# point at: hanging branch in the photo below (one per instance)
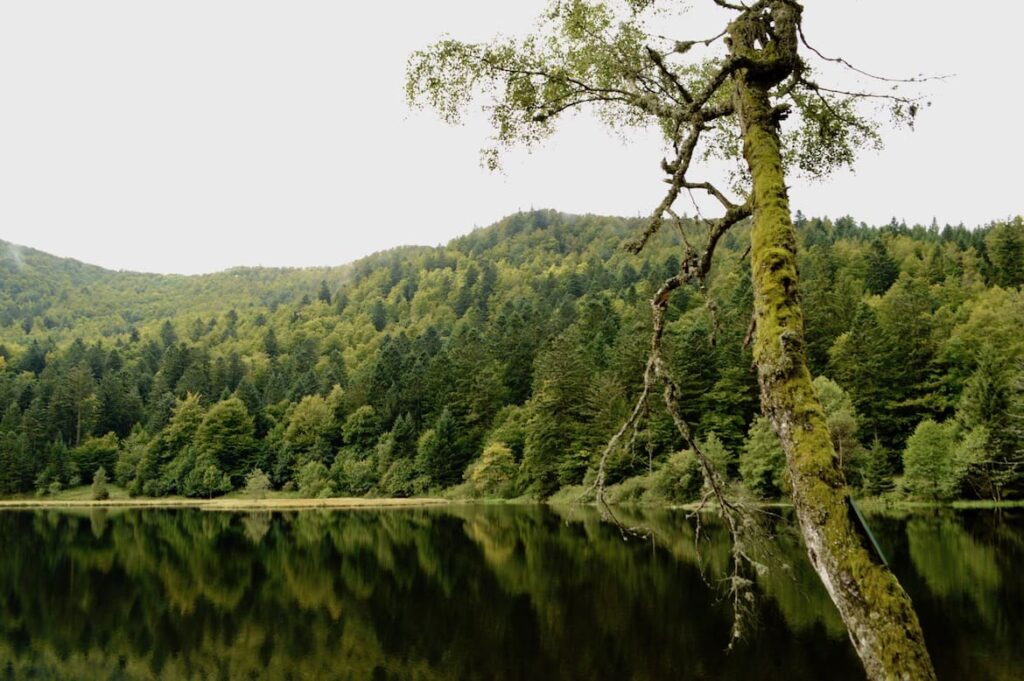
(848, 65)
(694, 268)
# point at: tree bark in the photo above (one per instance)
(876, 610)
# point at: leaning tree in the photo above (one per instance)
(747, 94)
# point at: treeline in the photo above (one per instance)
(504, 361)
(56, 300)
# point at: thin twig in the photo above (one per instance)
(843, 62)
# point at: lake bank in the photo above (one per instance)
(224, 504)
(80, 497)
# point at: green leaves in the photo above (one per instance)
(583, 55)
(827, 133)
(928, 470)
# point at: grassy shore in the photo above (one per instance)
(81, 497)
(876, 504)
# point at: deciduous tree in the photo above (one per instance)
(604, 55)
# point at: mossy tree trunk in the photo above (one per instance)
(876, 610)
(591, 60)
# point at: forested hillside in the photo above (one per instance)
(504, 361)
(57, 299)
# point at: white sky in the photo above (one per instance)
(195, 135)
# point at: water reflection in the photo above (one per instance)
(465, 593)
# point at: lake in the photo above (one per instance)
(474, 592)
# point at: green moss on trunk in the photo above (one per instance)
(877, 611)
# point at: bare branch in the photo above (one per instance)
(638, 409)
(852, 121)
(811, 85)
(718, 229)
(843, 62)
(678, 171)
(712, 190)
(543, 114)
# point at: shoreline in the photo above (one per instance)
(222, 504)
(349, 503)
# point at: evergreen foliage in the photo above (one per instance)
(506, 359)
(877, 473)
(763, 463)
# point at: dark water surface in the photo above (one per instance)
(468, 593)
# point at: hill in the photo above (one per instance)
(506, 359)
(47, 298)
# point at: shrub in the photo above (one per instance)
(257, 484)
(314, 480)
(99, 485)
(206, 478)
(678, 480)
(402, 480)
(629, 491)
(353, 476)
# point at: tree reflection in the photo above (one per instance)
(455, 593)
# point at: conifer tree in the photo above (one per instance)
(324, 296)
(882, 269)
(877, 472)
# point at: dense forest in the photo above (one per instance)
(500, 364)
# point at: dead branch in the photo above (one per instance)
(843, 62)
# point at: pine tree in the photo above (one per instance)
(168, 337)
(1005, 245)
(270, 344)
(437, 452)
(877, 472)
(882, 269)
(988, 403)
(325, 294)
(763, 462)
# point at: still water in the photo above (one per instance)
(469, 593)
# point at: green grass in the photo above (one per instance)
(80, 493)
(983, 503)
(84, 493)
(567, 495)
(877, 504)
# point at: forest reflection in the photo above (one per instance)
(493, 592)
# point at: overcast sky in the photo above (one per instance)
(195, 135)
